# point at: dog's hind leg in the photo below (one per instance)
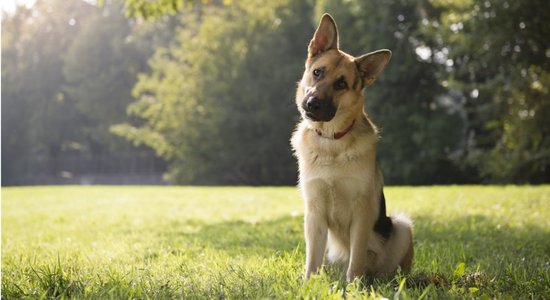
(406, 262)
(398, 249)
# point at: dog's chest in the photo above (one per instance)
(335, 163)
(336, 177)
(337, 186)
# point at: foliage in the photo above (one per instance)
(183, 242)
(464, 99)
(34, 113)
(156, 8)
(499, 52)
(100, 67)
(219, 102)
(418, 131)
(153, 9)
(67, 73)
(433, 129)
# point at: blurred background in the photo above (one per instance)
(202, 92)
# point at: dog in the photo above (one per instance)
(340, 181)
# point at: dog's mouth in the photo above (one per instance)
(311, 116)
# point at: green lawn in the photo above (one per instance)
(213, 242)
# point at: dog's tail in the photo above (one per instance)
(398, 249)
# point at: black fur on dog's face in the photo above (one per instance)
(333, 80)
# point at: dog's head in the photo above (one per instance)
(333, 80)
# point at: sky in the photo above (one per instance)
(9, 5)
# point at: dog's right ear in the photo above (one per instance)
(325, 38)
(372, 64)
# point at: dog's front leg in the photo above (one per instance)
(359, 237)
(316, 240)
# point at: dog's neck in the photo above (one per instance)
(336, 135)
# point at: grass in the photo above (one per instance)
(238, 243)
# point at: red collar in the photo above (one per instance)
(338, 135)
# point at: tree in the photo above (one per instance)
(420, 131)
(219, 102)
(68, 70)
(34, 113)
(155, 9)
(501, 67)
(464, 99)
(100, 69)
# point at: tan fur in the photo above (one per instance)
(339, 178)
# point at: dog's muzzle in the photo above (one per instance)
(318, 110)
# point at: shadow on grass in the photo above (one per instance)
(469, 238)
(513, 261)
(491, 253)
(476, 252)
(479, 237)
(494, 255)
(240, 237)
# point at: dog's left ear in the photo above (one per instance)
(325, 37)
(372, 64)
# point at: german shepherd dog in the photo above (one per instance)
(335, 143)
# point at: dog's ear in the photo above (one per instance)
(372, 64)
(325, 38)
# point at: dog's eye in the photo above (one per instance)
(317, 73)
(340, 84)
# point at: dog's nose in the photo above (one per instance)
(313, 104)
